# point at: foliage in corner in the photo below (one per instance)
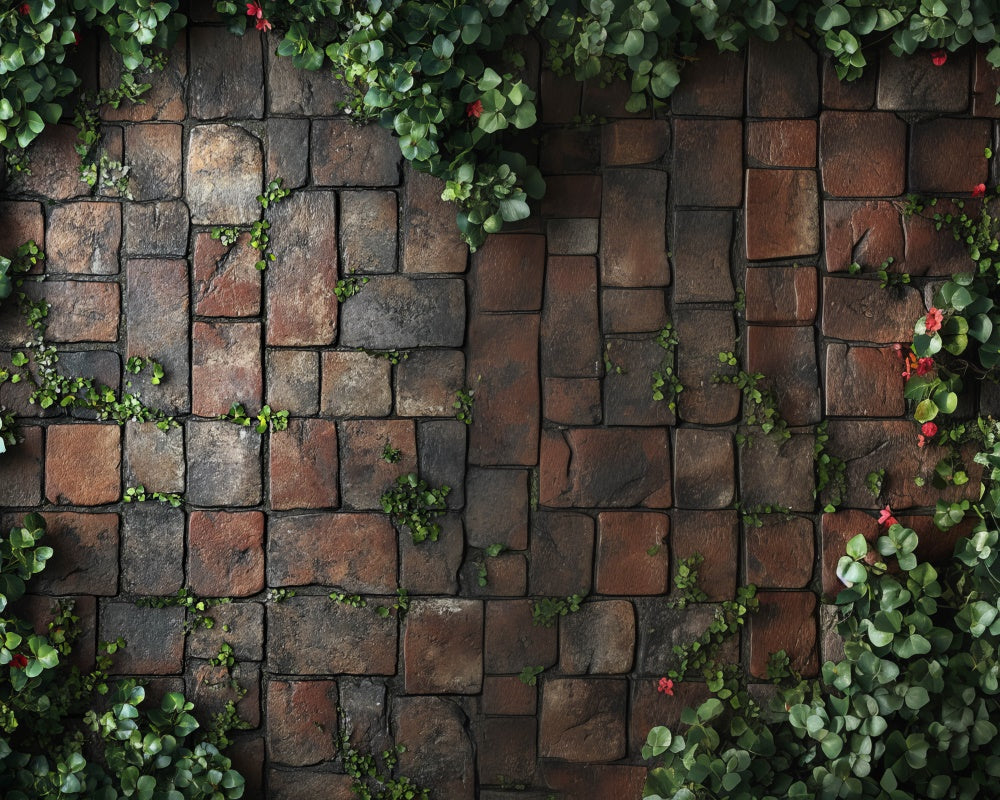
(414, 504)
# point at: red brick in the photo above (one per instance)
(226, 553)
(293, 381)
(708, 163)
(81, 312)
(154, 638)
(53, 166)
(985, 84)
(226, 283)
(506, 750)
(837, 530)
(712, 85)
(23, 221)
(302, 785)
(634, 310)
(153, 153)
(781, 295)
(863, 382)
(570, 327)
(633, 246)
(345, 155)
(507, 273)
(599, 639)
(572, 401)
(506, 576)
(303, 465)
(301, 721)
(778, 473)
(562, 553)
(444, 759)
(594, 781)
(574, 196)
(512, 642)
(868, 233)
(860, 310)
(785, 621)
(862, 154)
(426, 570)
(560, 97)
(355, 384)
(629, 142)
(781, 79)
(443, 647)
(83, 464)
(627, 386)
(713, 535)
(702, 242)
(508, 695)
(779, 554)
(591, 468)
(928, 251)
(570, 150)
(782, 213)
(858, 94)
(624, 563)
(431, 242)
(21, 470)
(702, 335)
(916, 83)
(947, 155)
(782, 143)
(215, 150)
(83, 238)
(787, 359)
(583, 719)
(226, 367)
(365, 475)
(85, 558)
(704, 468)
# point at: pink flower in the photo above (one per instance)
(929, 429)
(938, 57)
(933, 320)
(254, 10)
(19, 661)
(921, 441)
(897, 348)
(474, 110)
(886, 517)
(924, 365)
(263, 25)
(979, 190)
(666, 686)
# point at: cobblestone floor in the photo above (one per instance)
(735, 217)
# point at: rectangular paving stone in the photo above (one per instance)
(446, 760)
(782, 213)
(784, 621)
(300, 716)
(633, 240)
(226, 367)
(443, 647)
(562, 553)
(569, 150)
(226, 74)
(780, 553)
(21, 470)
(918, 84)
(583, 719)
(226, 281)
(859, 310)
(572, 237)
(398, 312)
(425, 570)
(286, 151)
(368, 231)
(572, 196)
(633, 310)
(223, 464)
(868, 233)
(80, 312)
(624, 563)
(702, 335)
(702, 244)
(83, 238)
(782, 143)
(506, 751)
(781, 295)
(713, 85)
(155, 638)
(786, 356)
(848, 95)
(497, 508)
(301, 92)
(560, 97)
(293, 381)
(634, 141)
(157, 229)
(343, 154)
(704, 468)
(303, 465)
(863, 382)
(365, 475)
(782, 79)
(572, 401)
(570, 326)
(355, 384)
(153, 154)
(427, 383)
(628, 394)
(708, 162)
(441, 444)
(152, 538)
(23, 221)
(50, 153)
(431, 241)
(508, 273)
(947, 155)
(225, 172)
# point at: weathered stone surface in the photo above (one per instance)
(83, 238)
(784, 621)
(780, 553)
(355, 384)
(624, 563)
(708, 163)
(442, 445)
(662, 626)
(778, 473)
(355, 552)
(443, 647)
(365, 475)
(713, 85)
(226, 367)
(702, 335)
(79, 311)
(513, 641)
(343, 154)
(508, 696)
(156, 229)
(572, 196)
(598, 639)
(836, 531)
(368, 225)
(781, 295)
(504, 350)
(23, 221)
(868, 233)
(312, 636)
(594, 781)
(917, 84)
(155, 638)
(363, 713)
(634, 310)
(713, 535)
(782, 216)
(849, 95)
(782, 79)
(862, 155)
(508, 272)
(947, 155)
(582, 719)
(223, 464)
(628, 142)
(927, 252)
(153, 154)
(572, 237)
(570, 327)
(627, 394)
(285, 784)
(293, 380)
(303, 465)
(287, 151)
(506, 750)
(427, 383)
(225, 170)
(165, 99)
(572, 401)
(21, 470)
(562, 553)
(863, 382)
(431, 242)
(782, 143)
(226, 554)
(85, 554)
(301, 721)
(301, 303)
(70, 446)
(152, 536)
(396, 311)
(787, 359)
(310, 93)
(506, 576)
(633, 251)
(497, 508)
(225, 280)
(53, 166)
(861, 310)
(226, 74)
(620, 467)
(445, 758)
(701, 245)
(704, 468)
(211, 687)
(425, 570)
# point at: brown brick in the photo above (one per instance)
(508, 695)
(569, 150)
(431, 241)
(157, 229)
(624, 563)
(69, 447)
(702, 335)
(782, 79)
(560, 97)
(226, 282)
(633, 310)
(781, 295)
(594, 781)
(152, 536)
(627, 386)
(915, 83)
(154, 638)
(704, 468)
(426, 570)
(780, 553)
(713, 534)
(927, 251)
(620, 467)
(85, 558)
(53, 166)
(702, 243)
(782, 215)
(506, 576)
(562, 553)
(23, 221)
(223, 464)
(303, 465)
(583, 719)
(662, 626)
(293, 381)
(785, 621)
(947, 155)
(355, 384)
(513, 642)
(226, 367)
(629, 142)
(507, 273)
(572, 196)
(497, 508)
(782, 143)
(863, 232)
(368, 226)
(935, 545)
(212, 687)
(572, 237)
(226, 74)
(309, 93)
(506, 750)
(787, 359)
(226, 553)
(572, 401)
(286, 153)
(164, 100)
(216, 150)
(599, 639)
(778, 473)
(708, 163)
(858, 94)
(81, 312)
(83, 238)
(427, 383)
(365, 475)
(301, 721)
(445, 757)
(400, 312)
(239, 624)
(863, 382)
(21, 470)
(570, 327)
(712, 85)
(862, 311)
(443, 647)
(863, 154)
(633, 246)
(836, 531)
(153, 153)
(345, 155)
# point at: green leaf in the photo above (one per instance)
(857, 547)
(490, 80)
(832, 17)
(635, 40)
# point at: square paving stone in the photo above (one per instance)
(628, 394)
(853, 95)
(443, 647)
(778, 473)
(427, 382)
(155, 638)
(69, 446)
(506, 750)
(708, 163)
(713, 85)
(704, 468)
(50, 153)
(303, 465)
(781, 295)
(713, 535)
(863, 382)
(301, 721)
(293, 380)
(562, 553)
(599, 639)
(156, 229)
(226, 74)
(433, 570)
(862, 154)
(507, 273)
(780, 553)
(583, 719)
(226, 553)
(355, 384)
(83, 238)
(513, 641)
(223, 464)
(863, 232)
(782, 213)
(431, 241)
(632, 553)
(784, 621)
(365, 475)
(947, 155)
(85, 558)
(634, 141)
(301, 92)
(368, 225)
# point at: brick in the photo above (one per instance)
(570, 326)
(856, 95)
(629, 142)
(782, 143)
(39, 612)
(21, 470)
(572, 237)
(599, 639)
(303, 465)
(355, 552)
(607, 100)
(702, 335)
(947, 155)
(863, 154)
(863, 382)
(239, 624)
(704, 468)
(345, 155)
(781, 295)
(782, 79)
(302, 92)
(157, 327)
(507, 273)
(225, 280)
(787, 359)
(211, 687)
(914, 83)
(364, 473)
(624, 563)
(627, 394)
(301, 721)
(560, 97)
(859, 310)
(286, 153)
(506, 750)
(293, 381)
(368, 225)
(702, 243)
(314, 636)
(506, 576)
(504, 350)
(935, 545)
(837, 529)
(572, 401)
(426, 570)
(83, 238)
(301, 303)
(633, 251)
(443, 647)
(23, 221)
(442, 445)
(778, 473)
(572, 196)
(927, 251)
(712, 85)
(397, 312)
(68, 448)
(80, 312)
(431, 241)
(301, 785)
(230, 151)
(562, 553)
(85, 557)
(223, 464)
(867, 233)
(226, 553)
(165, 98)
(153, 153)
(662, 627)
(594, 781)
(583, 719)
(507, 695)
(497, 508)
(782, 215)
(226, 74)
(780, 553)
(427, 382)
(53, 167)
(649, 708)
(156, 229)
(152, 536)
(512, 642)
(569, 150)
(226, 367)
(784, 621)
(445, 757)
(155, 638)
(620, 467)
(985, 83)
(355, 384)
(363, 713)
(708, 162)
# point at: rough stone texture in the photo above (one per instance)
(633, 253)
(497, 508)
(715, 88)
(69, 446)
(21, 470)
(444, 759)
(628, 142)
(427, 382)
(223, 150)
(301, 721)
(507, 750)
(598, 639)
(633, 310)
(704, 468)
(787, 359)
(303, 465)
(868, 233)
(226, 367)
(862, 155)
(223, 464)
(782, 214)
(781, 295)
(570, 336)
(779, 554)
(343, 154)
(226, 74)
(784, 621)
(287, 152)
(863, 382)
(778, 472)
(782, 143)
(442, 445)
(627, 394)
(572, 401)
(632, 553)
(572, 237)
(703, 334)
(355, 385)
(707, 162)
(226, 553)
(154, 458)
(165, 99)
(781, 79)
(51, 153)
(859, 310)
(293, 381)
(155, 638)
(433, 570)
(368, 223)
(151, 535)
(582, 720)
(508, 272)
(156, 229)
(153, 154)
(701, 244)
(23, 221)
(443, 647)
(913, 84)
(225, 281)
(562, 553)
(85, 558)
(79, 311)
(365, 474)
(431, 242)
(713, 534)
(299, 91)
(946, 155)
(512, 641)
(83, 238)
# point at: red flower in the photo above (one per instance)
(474, 110)
(921, 440)
(929, 429)
(666, 686)
(19, 661)
(76, 38)
(886, 517)
(938, 57)
(933, 320)
(254, 10)
(979, 190)
(24, 9)
(263, 25)
(924, 365)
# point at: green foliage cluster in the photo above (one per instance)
(374, 781)
(686, 587)
(831, 471)
(666, 385)
(260, 238)
(411, 502)
(760, 406)
(546, 610)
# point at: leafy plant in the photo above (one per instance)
(266, 418)
(831, 471)
(138, 494)
(666, 384)
(874, 481)
(347, 287)
(390, 454)
(279, 595)
(760, 406)
(371, 781)
(750, 515)
(529, 675)
(547, 610)
(197, 607)
(414, 504)
(686, 582)
(463, 405)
